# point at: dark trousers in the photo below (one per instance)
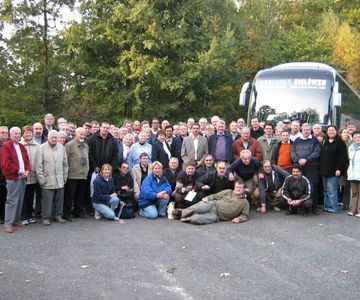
(74, 201)
(38, 191)
(28, 204)
(3, 193)
(312, 173)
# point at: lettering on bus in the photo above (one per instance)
(305, 83)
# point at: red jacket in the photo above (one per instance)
(9, 160)
(253, 146)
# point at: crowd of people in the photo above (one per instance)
(197, 172)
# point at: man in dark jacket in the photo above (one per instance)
(177, 143)
(124, 184)
(102, 149)
(185, 183)
(214, 182)
(305, 151)
(296, 191)
(270, 186)
(220, 144)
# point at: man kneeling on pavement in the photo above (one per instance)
(227, 205)
(296, 191)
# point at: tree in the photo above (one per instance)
(155, 58)
(31, 53)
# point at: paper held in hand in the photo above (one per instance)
(190, 196)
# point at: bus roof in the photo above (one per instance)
(298, 66)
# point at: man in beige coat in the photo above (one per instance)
(194, 147)
(77, 152)
(52, 172)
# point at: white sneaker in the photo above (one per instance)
(31, 221)
(350, 213)
(357, 215)
(25, 222)
(116, 218)
(97, 215)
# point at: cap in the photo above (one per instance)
(87, 124)
(286, 121)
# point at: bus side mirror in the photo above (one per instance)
(337, 99)
(244, 89)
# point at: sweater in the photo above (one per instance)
(228, 205)
(333, 156)
(102, 190)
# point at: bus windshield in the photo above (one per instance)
(292, 94)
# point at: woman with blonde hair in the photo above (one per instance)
(154, 193)
(105, 199)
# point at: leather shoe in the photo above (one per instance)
(177, 213)
(8, 229)
(18, 225)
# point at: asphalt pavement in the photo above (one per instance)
(272, 256)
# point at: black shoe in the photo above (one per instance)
(291, 212)
(177, 213)
(316, 212)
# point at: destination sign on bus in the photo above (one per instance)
(306, 83)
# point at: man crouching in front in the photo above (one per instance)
(227, 205)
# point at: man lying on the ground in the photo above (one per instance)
(227, 205)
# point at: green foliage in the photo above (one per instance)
(170, 59)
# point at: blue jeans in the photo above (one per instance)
(155, 210)
(330, 193)
(107, 210)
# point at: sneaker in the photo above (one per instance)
(97, 215)
(116, 218)
(351, 213)
(258, 209)
(60, 220)
(357, 215)
(275, 208)
(31, 221)
(25, 222)
(46, 222)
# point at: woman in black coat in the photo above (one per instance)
(333, 159)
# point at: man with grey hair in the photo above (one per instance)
(48, 124)
(4, 135)
(15, 166)
(77, 152)
(220, 144)
(202, 123)
(246, 168)
(52, 172)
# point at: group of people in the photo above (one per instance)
(194, 172)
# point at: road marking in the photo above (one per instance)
(174, 287)
(348, 239)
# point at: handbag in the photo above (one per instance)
(127, 211)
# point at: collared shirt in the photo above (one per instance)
(196, 143)
(20, 158)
